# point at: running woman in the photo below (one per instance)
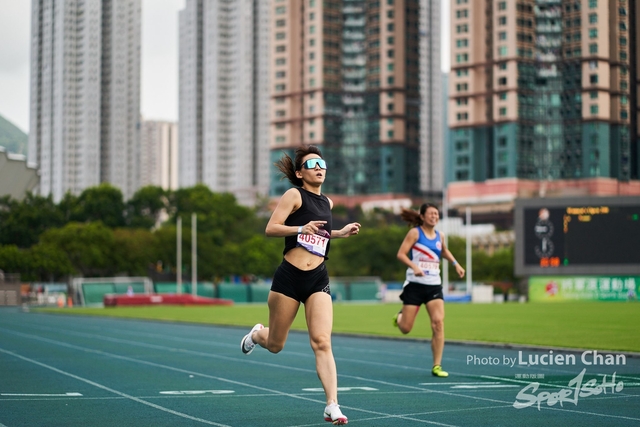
(425, 246)
(303, 218)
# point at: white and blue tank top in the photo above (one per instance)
(425, 253)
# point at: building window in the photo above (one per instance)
(281, 23)
(280, 74)
(280, 139)
(281, 61)
(594, 109)
(280, 88)
(463, 116)
(280, 100)
(462, 43)
(390, 80)
(502, 20)
(593, 18)
(390, 27)
(502, 81)
(502, 5)
(281, 48)
(390, 107)
(389, 134)
(281, 10)
(593, 33)
(389, 67)
(502, 111)
(624, 114)
(623, 56)
(312, 82)
(462, 28)
(312, 69)
(280, 113)
(462, 175)
(593, 4)
(462, 57)
(312, 42)
(312, 135)
(502, 51)
(593, 48)
(502, 35)
(503, 96)
(593, 95)
(593, 78)
(390, 53)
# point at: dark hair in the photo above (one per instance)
(289, 166)
(413, 217)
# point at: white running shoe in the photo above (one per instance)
(333, 414)
(246, 347)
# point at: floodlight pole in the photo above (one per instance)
(194, 254)
(445, 262)
(179, 255)
(468, 272)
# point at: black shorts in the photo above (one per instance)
(418, 294)
(300, 284)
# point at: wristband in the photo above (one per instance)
(454, 262)
(300, 230)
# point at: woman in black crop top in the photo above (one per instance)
(303, 218)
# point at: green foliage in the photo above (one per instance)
(371, 253)
(89, 247)
(102, 203)
(146, 206)
(98, 234)
(21, 223)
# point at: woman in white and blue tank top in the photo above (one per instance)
(421, 251)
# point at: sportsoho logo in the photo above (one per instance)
(577, 387)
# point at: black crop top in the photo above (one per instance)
(314, 208)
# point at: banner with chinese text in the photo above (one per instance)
(594, 288)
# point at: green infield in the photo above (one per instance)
(586, 325)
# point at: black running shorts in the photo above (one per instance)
(418, 294)
(300, 284)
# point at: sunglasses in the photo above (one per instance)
(311, 164)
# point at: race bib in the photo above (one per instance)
(315, 243)
(430, 268)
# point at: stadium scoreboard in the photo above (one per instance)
(595, 235)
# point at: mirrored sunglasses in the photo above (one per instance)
(311, 164)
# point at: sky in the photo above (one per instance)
(159, 66)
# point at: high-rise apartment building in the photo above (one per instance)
(542, 94)
(85, 94)
(224, 96)
(361, 80)
(159, 154)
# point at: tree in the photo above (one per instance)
(102, 203)
(89, 247)
(146, 206)
(21, 223)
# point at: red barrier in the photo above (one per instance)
(111, 300)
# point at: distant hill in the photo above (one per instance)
(12, 138)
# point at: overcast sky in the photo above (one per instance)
(159, 90)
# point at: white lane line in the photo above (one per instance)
(447, 383)
(145, 362)
(119, 393)
(485, 386)
(41, 394)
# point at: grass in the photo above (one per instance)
(613, 326)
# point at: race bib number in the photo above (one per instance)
(430, 268)
(315, 243)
